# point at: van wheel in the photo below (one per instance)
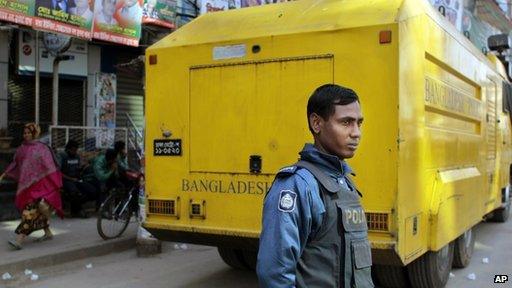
(232, 257)
(250, 259)
(432, 269)
(501, 215)
(391, 276)
(463, 250)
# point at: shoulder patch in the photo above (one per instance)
(287, 200)
(286, 171)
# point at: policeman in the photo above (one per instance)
(314, 228)
(76, 191)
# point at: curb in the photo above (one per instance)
(117, 245)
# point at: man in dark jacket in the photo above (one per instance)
(76, 191)
(103, 173)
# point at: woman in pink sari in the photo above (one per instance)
(39, 182)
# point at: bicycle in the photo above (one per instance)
(116, 211)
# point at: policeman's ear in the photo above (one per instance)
(316, 122)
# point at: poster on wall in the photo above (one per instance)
(451, 9)
(118, 21)
(477, 30)
(17, 11)
(250, 3)
(160, 13)
(105, 94)
(208, 6)
(70, 17)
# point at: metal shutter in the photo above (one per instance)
(22, 102)
(130, 94)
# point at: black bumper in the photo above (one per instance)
(230, 241)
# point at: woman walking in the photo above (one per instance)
(39, 182)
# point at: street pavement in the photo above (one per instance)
(200, 266)
(494, 244)
(73, 239)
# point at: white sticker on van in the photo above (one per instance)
(229, 52)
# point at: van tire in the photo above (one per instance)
(501, 215)
(391, 276)
(232, 257)
(463, 250)
(250, 259)
(432, 269)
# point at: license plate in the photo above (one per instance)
(167, 147)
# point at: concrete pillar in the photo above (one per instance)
(4, 74)
(93, 67)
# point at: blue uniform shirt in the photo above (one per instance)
(292, 214)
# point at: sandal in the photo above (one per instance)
(44, 238)
(15, 244)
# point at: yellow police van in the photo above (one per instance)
(226, 108)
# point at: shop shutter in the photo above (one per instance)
(130, 93)
(22, 102)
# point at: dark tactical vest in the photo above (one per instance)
(339, 254)
(70, 165)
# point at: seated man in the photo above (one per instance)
(103, 173)
(122, 156)
(76, 191)
(122, 164)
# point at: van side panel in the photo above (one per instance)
(225, 111)
(449, 107)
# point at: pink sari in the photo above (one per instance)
(37, 174)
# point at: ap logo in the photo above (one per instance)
(500, 278)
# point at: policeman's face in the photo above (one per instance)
(340, 134)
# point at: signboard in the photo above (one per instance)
(17, 11)
(160, 12)
(76, 66)
(118, 21)
(56, 44)
(70, 17)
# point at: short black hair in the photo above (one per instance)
(119, 145)
(110, 155)
(323, 101)
(71, 144)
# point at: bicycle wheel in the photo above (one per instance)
(114, 215)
